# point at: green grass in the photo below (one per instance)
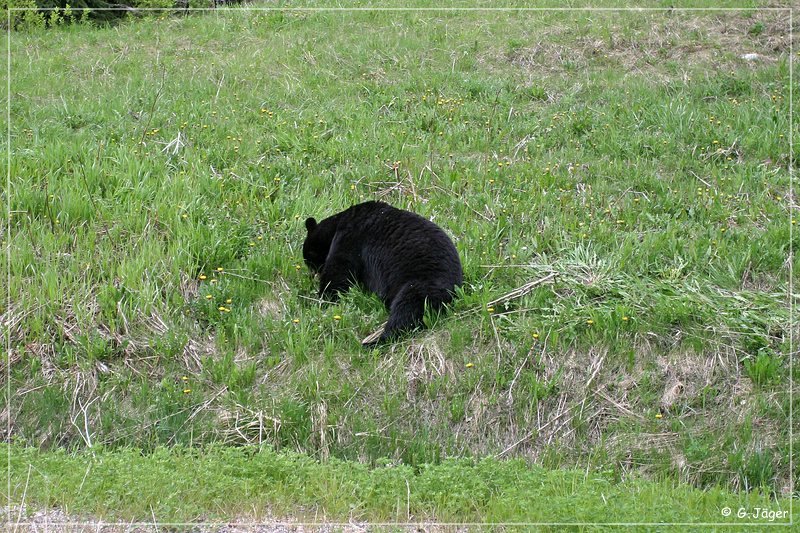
(251, 485)
(162, 169)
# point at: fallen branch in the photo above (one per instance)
(521, 291)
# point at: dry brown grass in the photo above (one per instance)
(716, 41)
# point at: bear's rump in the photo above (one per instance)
(387, 270)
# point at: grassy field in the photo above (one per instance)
(183, 485)
(161, 171)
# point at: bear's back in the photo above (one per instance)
(397, 246)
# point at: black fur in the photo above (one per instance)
(405, 259)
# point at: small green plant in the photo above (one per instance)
(764, 368)
(536, 92)
(756, 29)
(514, 45)
(754, 469)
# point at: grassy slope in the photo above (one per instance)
(634, 154)
(179, 485)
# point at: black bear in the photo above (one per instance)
(404, 258)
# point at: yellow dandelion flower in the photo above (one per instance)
(590, 321)
(187, 391)
(201, 277)
(228, 301)
(535, 335)
(208, 296)
(625, 318)
(296, 321)
(470, 365)
(337, 317)
(659, 416)
(490, 309)
(220, 269)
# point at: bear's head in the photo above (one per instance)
(318, 243)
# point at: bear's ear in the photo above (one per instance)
(311, 224)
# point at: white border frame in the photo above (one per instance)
(226, 9)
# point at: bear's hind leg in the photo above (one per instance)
(408, 307)
(406, 312)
